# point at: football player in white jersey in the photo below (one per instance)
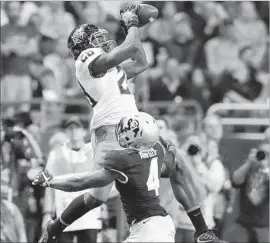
(102, 70)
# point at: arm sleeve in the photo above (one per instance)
(85, 61)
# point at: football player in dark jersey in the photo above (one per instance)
(136, 170)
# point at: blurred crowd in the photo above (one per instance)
(207, 52)
(215, 182)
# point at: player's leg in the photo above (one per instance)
(153, 229)
(104, 140)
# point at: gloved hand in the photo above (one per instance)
(43, 178)
(129, 16)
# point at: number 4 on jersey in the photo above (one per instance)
(153, 180)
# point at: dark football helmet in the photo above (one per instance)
(87, 36)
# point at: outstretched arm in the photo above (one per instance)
(184, 179)
(78, 181)
(137, 64)
(184, 185)
(130, 53)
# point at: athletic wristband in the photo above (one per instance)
(134, 22)
(133, 25)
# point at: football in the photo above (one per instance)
(147, 14)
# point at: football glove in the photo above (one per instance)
(43, 178)
(129, 16)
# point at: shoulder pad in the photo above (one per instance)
(114, 160)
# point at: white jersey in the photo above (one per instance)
(109, 94)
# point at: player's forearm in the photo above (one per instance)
(128, 48)
(182, 186)
(70, 182)
(184, 194)
(192, 177)
(119, 54)
(81, 181)
(139, 56)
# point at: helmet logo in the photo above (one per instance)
(133, 125)
(77, 36)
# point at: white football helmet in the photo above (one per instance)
(138, 131)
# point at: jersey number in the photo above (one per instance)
(122, 83)
(153, 180)
(86, 54)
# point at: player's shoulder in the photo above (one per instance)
(90, 52)
(122, 153)
(85, 58)
(117, 159)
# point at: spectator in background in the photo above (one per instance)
(57, 140)
(71, 158)
(243, 83)
(55, 71)
(18, 44)
(259, 80)
(198, 23)
(224, 204)
(225, 198)
(24, 157)
(222, 51)
(263, 10)
(199, 84)
(93, 13)
(166, 79)
(166, 132)
(12, 223)
(75, 8)
(50, 117)
(266, 138)
(211, 173)
(55, 19)
(4, 17)
(162, 29)
(183, 45)
(213, 13)
(252, 178)
(252, 30)
(212, 129)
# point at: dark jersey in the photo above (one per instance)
(139, 184)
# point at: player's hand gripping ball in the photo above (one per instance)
(144, 12)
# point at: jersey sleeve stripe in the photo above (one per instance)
(122, 174)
